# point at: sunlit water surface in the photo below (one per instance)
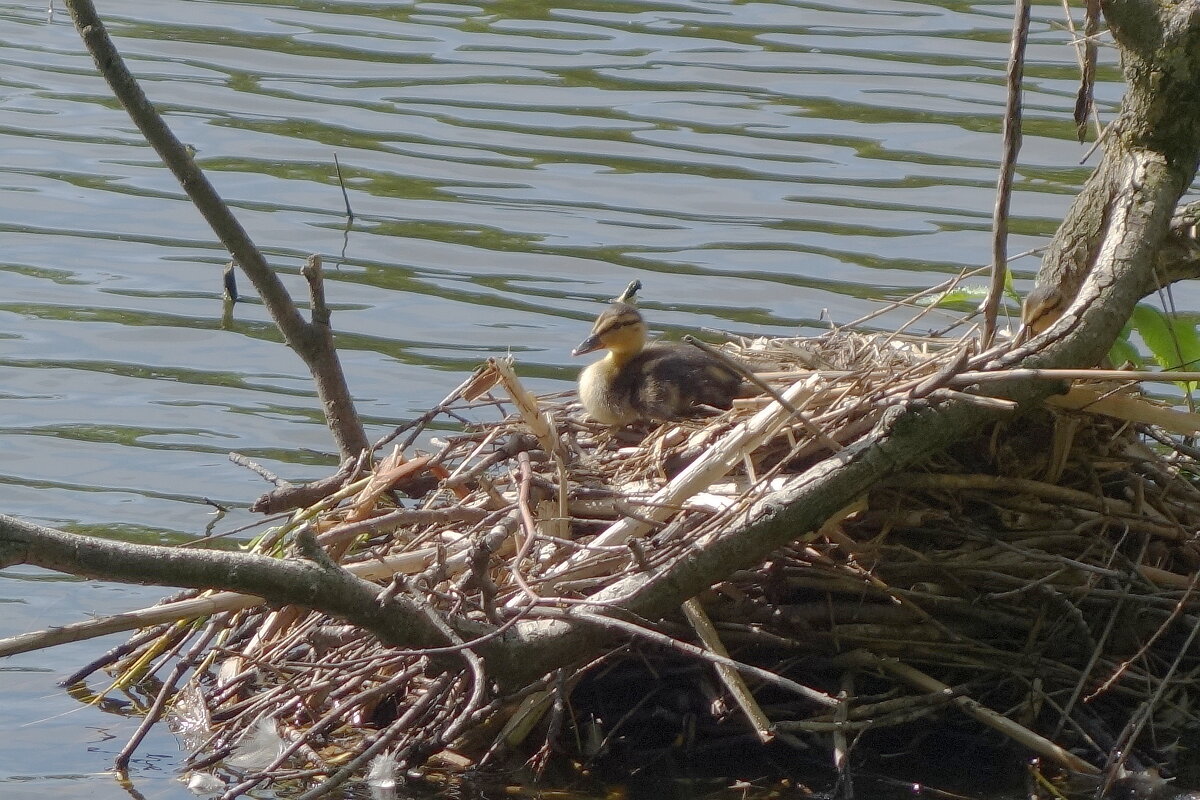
(762, 167)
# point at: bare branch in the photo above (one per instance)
(311, 344)
(1008, 164)
(396, 621)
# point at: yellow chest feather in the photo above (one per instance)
(595, 391)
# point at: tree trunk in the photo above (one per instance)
(1150, 158)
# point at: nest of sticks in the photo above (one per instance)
(1034, 586)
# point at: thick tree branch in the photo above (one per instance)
(311, 342)
(395, 620)
(1179, 257)
(1140, 186)
(1156, 139)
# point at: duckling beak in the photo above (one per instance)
(588, 345)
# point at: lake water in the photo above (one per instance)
(762, 167)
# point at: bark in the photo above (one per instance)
(1151, 153)
(312, 582)
(1011, 136)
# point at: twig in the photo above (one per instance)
(1020, 374)
(418, 424)
(841, 748)
(820, 698)
(288, 496)
(479, 683)
(342, 183)
(165, 692)
(229, 282)
(254, 466)
(941, 288)
(1004, 185)
(318, 310)
(112, 655)
(1146, 646)
(381, 740)
(749, 375)
(1084, 106)
(528, 524)
(210, 536)
(1109, 128)
(716, 461)
(974, 709)
(1137, 722)
(728, 674)
(392, 520)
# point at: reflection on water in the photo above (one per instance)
(760, 166)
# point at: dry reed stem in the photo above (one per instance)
(729, 676)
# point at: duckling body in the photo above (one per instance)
(635, 381)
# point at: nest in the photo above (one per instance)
(1034, 586)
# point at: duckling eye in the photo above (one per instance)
(617, 325)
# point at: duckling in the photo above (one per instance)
(636, 381)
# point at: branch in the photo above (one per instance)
(903, 438)
(1008, 165)
(1156, 139)
(395, 620)
(1179, 257)
(1136, 25)
(530, 649)
(1145, 186)
(310, 341)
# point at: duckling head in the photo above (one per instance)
(620, 329)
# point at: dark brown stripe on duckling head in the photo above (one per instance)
(614, 318)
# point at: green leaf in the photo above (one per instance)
(1009, 288)
(963, 294)
(1172, 339)
(1123, 352)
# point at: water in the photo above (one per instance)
(761, 167)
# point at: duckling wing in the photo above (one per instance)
(673, 381)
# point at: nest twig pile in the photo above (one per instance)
(1038, 581)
